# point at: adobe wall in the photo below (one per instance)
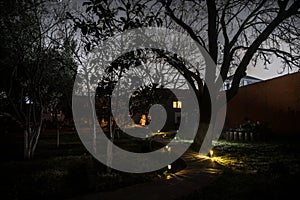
(275, 102)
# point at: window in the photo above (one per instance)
(177, 104)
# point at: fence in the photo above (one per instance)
(240, 136)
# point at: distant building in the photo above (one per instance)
(172, 104)
(274, 102)
(247, 80)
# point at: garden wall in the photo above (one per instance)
(275, 102)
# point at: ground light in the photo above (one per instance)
(169, 167)
(211, 153)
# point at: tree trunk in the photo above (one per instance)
(31, 137)
(36, 139)
(26, 145)
(198, 140)
(204, 103)
(111, 137)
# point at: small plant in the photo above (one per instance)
(254, 127)
(260, 131)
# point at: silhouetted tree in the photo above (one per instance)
(234, 33)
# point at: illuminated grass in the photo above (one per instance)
(258, 157)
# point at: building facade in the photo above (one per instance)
(275, 103)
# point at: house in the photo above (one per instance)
(172, 105)
(165, 97)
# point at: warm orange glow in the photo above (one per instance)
(143, 120)
(103, 123)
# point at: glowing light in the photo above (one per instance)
(169, 166)
(143, 120)
(174, 104)
(177, 104)
(168, 148)
(211, 153)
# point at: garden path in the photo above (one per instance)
(200, 171)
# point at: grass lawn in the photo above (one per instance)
(269, 170)
(255, 171)
(64, 171)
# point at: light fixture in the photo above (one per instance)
(211, 153)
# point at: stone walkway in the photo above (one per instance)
(200, 171)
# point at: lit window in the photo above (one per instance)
(174, 104)
(177, 104)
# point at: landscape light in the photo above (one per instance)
(211, 152)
